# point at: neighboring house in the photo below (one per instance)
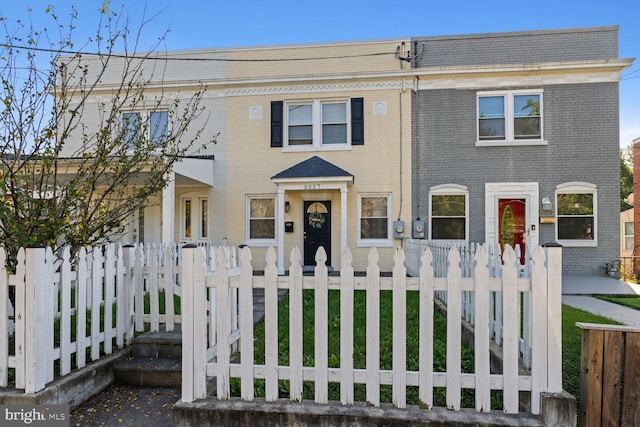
(516, 140)
(339, 144)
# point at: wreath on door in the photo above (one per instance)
(316, 219)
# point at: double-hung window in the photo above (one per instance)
(375, 224)
(261, 220)
(448, 212)
(510, 118)
(142, 127)
(576, 214)
(317, 124)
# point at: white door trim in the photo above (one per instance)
(517, 190)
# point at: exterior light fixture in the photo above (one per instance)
(286, 206)
(547, 205)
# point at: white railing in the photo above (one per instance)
(87, 305)
(544, 286)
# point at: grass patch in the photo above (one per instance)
(627, 301)
(360, 322)
(572, 345)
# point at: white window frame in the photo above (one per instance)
(145, 119)
(316, 122)
(509, 119)
(388, 242)
(261, 242)
(578, 188)
(195, 218)
(450, 190)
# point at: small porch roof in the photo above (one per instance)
(313, 168)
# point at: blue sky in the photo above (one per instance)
(196, 24)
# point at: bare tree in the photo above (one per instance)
(63, 181)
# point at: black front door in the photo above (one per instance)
(317, 230)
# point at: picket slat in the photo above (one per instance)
(271, 334)
(321, 328)
(454, 278)
(399, 310)
(346, 329)
(221, 279)
(426, 330)
(295, 328)
(246, 325)
(481, 333)
(511, 331)
(373, 328)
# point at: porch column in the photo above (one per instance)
(168, 210)
(280, 231)
(343, 219)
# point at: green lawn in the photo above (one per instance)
(627, 301)
(386, 354)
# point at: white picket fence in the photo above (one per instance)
(544, 285)
(440, 251)
(69, 311)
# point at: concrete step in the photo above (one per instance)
(148, 372)
(162, 344)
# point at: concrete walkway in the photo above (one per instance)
(577, 292)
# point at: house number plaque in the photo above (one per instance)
(312, 186)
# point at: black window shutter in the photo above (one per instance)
(357, 121)
(276, 123)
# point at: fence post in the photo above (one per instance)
(194, 336)
(4, 324)
(554, 316)
(127, 287)
(36, 297)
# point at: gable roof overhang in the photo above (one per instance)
(312, 170)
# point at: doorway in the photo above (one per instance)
(317, 230)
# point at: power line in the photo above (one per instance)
(161, 58)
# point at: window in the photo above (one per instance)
(576, 214)
(628, 236)
(261, 219)
(158, 127)
(317, 125)
(375, 211)
(195, 218)
(187, 219)
(448, 212)
(204, 218)
(510, 118)
(152, 124)
(131, 123)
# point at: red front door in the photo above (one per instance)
(512, 229)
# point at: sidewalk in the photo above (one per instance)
(577, 291)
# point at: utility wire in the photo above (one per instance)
(164, 58)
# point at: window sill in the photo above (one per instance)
(261, 243)
(306, 148)
(378, 243)
(578, 243)
(512, 143)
